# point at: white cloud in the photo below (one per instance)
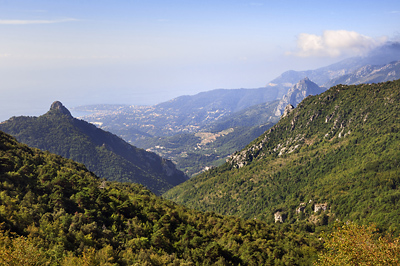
(29, 22)
(335, 43)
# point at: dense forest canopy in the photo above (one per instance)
(54, 210)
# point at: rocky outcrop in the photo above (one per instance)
(301, 207)
(320, 206)
(279, 217)
(288, 109)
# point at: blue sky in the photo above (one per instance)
(145, 52)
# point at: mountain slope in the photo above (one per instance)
(337, 151)
(53, 211)
(105, 154)
(252, 116)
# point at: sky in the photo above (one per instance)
(145, 52)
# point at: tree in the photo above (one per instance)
(352, 244)
(19, 250)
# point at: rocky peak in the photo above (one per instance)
(304, 84)
(59, 107)
(297, 93)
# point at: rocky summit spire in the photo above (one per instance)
(58, 106)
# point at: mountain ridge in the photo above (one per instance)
(102, 152)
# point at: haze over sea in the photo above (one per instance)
(146, 52)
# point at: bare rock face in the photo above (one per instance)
(58, 106)
(320, 206)
(279, 217)
(301, 207)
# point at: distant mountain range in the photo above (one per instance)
(187, 114)
(322, 76)
(369, 74)
(335, 156)
(107, 155)
(233, 110)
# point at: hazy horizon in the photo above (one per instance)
(147, 52)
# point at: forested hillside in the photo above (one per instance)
(107, 155)
(335, 156)
(53, 211)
